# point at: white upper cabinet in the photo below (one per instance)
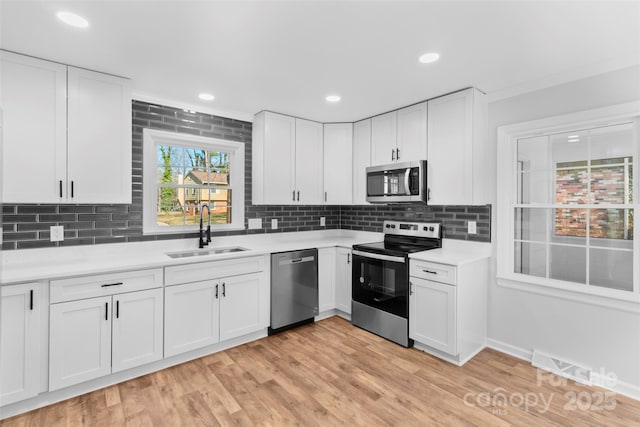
(34, 102)
(456, 160)
(308, 162)
(99, 138)
(399, 136)
(70, 128)
(361, 160)
(338, 163)
(412, 133)
(287, 160)
(274, 158)
(383, 138)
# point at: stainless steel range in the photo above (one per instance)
(380, 278)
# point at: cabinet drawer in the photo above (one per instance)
(433, 271)
(189, 273)
(104, 284)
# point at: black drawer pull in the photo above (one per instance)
(430, 272)
(224, 291)
(106, 311)
(31, 300)
(117, 309)
(60, 188)
(72, 189)
(111, 284)
(216, 291)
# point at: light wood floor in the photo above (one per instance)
(331, 373)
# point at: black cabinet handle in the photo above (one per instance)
(31, 300)
(106, 311)
(111, 284)
(294, 195)
(397, 154)
(224, 293)
(325, 196)
(60, 188)
(393, 154)
(117, 309)
(298, 195)
(216, 291)
(72, 189)
(348, 258)
(430, 272)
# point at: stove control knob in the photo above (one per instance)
(425, 228)
(388, 226)
(430, 228)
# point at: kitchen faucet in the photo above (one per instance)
(202, 243)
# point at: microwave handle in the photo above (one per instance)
(407, 178)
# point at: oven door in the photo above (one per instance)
(381, 281)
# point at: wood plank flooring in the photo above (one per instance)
(331, 373)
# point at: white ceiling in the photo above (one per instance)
(287, 56)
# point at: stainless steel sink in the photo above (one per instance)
(205, 252)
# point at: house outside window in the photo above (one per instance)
(569, 191)
(184, 172)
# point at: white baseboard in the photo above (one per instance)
(620, 387)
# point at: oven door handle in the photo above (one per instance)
(379, 256)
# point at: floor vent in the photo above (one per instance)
(563, 368)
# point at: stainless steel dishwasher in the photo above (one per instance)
(294, 289)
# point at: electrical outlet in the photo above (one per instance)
(323, 222)
(255, 223)
(274, 224)
(471, 227)
(56, 233)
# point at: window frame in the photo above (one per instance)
(507, 193)
(151, 139)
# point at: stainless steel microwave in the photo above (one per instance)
(398, 183)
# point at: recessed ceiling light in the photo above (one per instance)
(428, 58)
(73, 19)
(206, 97)
(333, 98)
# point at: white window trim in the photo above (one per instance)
(151, 138)
(507, 161)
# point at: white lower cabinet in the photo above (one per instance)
(79, 341)
(19, 342)
(326, 279)
(240, 305)
(205, 312)
(136, 329)
(191, 316)
(447, 308)
(94, 337)
(343, 280)
(433, 319)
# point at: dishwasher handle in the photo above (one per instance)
(299, 260)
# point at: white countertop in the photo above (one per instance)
(455, 252)
(28, 265)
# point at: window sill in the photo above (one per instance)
(194, 229)
(603, 297)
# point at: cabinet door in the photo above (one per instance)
(34, 103)
(79, 341)
(191, 316)
(309, 162)
(361, 160)
(99, 138)
(412, 133)
(19, 342)
(343, 280)
(137, 329)
(326, 279)
(338, 163)
(278, 159)
(432, 314)
(383, 139)
(240, 305)
(450, 151)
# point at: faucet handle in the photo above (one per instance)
(208, 233)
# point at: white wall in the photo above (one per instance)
(596, 336)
